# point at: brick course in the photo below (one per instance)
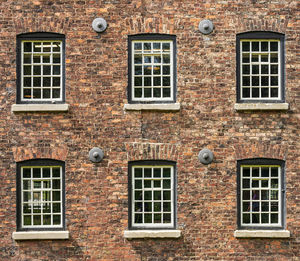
(96, 82)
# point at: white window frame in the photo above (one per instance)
(259, 63)
(263, 180)
(144, 53)
(42, 75)
(172, 200)
(40, 202)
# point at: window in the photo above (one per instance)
(152, 194)
(152, 68)
(40, 68)
(40, 195)
(260, 67)
(261, 194)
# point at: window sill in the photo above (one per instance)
(39, 107)
(262, 234)
(261, 106)
(152, 234)
(152, 107)
(40, 235)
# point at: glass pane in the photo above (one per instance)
(274, 218)
(166, 184)
(138, 207)
(274, 172)
(274, 46)
(138, 92)
(274, 92)
(46, 81)
(274, 69)
(36, 196)
(245, 46)
(265, 172)
(265, 218)
(148, 218)
(36, 172)
(274, 183)
(46, 184)
(138, 70)
(255, 183)
(157, 172)
(246, 69)
(46, 220)
(147, 183)
(255, 172)
(265, 183)
(56, 46)
(147, 70)
(138, 172)
(147, 195)
(255, 206)
(166, 92)
(157, 206)
(167, 206)
(27, 82)
(166, 70)
(264, 58)
(147, 46)
(56, 58)
(138, 184)
(166, 81)
(137, 81)
(26, 184)
(147, 173)
(265, 206)
(27, 94)
(55, 172)
(167, 218)
(157, 82)
(246, 183)
(264, 46)
(255, 46)
(246, 195)
(255, 218)
(56, 208)
(246, 81)
(46, 208)
(36, 59)
(56, 219)
(46, 47)
(37, 46)
(166, 58)
(37, 83)
(37, 93)
(156, 70)
(166, 172)
(274, 80)
(246, 218)
(274, 206)
(246, 92)
(36, 220)
(138, 195)
(137, 46)
(274, 194)
(255, 81)
(56, 184)
(274, 58)
(264, 69)
(255, 69)
(56, 81)
(138, 218)
(265, 194)
(255, 193)
(27, 58)
(148, 207)
(167, 195)
(46, 58)
(46, 196)
(37, 208)
(26, 173)
(254, 58)
(156, 46)
(157, 218)
(138, 59)
(27, 46)
(147, 81)
(246, 58)
(37, 184)
(37, 70)
(255, 92)
(264, 81)
(147, 92)
(46, 93)
(166, 46)
(246, 206)
(55, 195)
(55, 93)
(157, 59)
(265, 92)
(26, 208)
(157, 195)
(27, 70)
(56, 69)
(157, 183)
(27, 220)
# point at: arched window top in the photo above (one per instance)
(260, 35)
(41, 35)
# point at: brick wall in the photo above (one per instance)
(96, 89)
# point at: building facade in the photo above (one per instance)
(151, 91)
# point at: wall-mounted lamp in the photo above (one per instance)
(205, 156)
(96, 155)
(99, 25)
(206, 26)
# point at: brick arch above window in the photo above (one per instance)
(260, 150)
(152, 151)
(55, 153)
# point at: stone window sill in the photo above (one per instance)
(40, 235)
(39, 107)
(262, 234)
(152, 107)
(261, 106)
(130, 234)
